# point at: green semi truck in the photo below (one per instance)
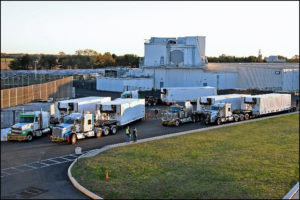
(31, 124)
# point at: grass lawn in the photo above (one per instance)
(253, 160)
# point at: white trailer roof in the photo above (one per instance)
(81, 99)
(120, 101)
(268, 95)
(226, 96)
(205, 87)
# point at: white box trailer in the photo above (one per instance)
(86, 104)
(205, 103)
(267, 103)
(181, 94)
(119, 112)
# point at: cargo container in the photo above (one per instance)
(118, 113)
(182, 94)
(64, 108)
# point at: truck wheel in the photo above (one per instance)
(194, 119)
(73, 139)
(242, 117)
(149, 103)
(177, 123)
(98, 133)
(219, 122)
(29, 137)
(114, 130)
(106, 131)
(246, 116)
(154, 103)
(236, 118)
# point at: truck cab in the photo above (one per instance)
(130, 94)
(31, 124)
(219, 113)
(75, 126)
(177, 115)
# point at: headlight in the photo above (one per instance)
(23, 131)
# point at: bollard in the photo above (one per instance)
(78, 153)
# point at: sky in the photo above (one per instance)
(232, 28)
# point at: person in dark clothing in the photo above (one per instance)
(134, 134)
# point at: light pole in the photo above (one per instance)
(35, 68)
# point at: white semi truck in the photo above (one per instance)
(64, 108)
(182, 94)
(118, 113)
(31, 124)
(75, 126)
(251, 107)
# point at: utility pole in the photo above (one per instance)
(35, 68)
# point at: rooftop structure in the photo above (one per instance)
(174, 52)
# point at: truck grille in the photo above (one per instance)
(16, 130)
(57, 132)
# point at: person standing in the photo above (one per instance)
(134, 134)
(127, 132)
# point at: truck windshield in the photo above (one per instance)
(68, 120)
(214, 108)
(174, 109)
(26, 119)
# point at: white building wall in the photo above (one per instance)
(123, 84)
(260, 78)
(153, 53)
(290, 80)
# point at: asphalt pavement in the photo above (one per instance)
(29, 168)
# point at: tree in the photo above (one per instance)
(48, 61)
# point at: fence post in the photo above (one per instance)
(14, 116)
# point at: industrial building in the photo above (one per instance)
(181, 62)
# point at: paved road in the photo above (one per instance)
(38, 169)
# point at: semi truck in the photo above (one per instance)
(251, 107)
(32, 124)
(107, 118)
(118, 113)
(135, 94)
(75, 126)
(182, 94)
(178, 114)
(64, 108)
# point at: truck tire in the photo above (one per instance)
(149, 103)
(247, 116)
(194, 119)
(177, 123)
(98, 133)
(242, 117)
(73, 139)
(219, 122)
(106, 131)
(114, 130)
(236, 118)
(29, 137)
(154, 103)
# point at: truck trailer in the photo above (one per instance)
(64, 108)
(31, 124)
(118, 113)
(251, 107)
(135, 94)
(182, 94)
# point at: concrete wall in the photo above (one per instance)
(123, 84)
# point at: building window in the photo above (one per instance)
(277, 72)
(162, 60)
(89, 121)
(204, 84)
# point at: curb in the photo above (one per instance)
(292, 192)
(95, 152)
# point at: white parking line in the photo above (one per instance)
(41, 164)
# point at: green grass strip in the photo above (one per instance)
(253, 160)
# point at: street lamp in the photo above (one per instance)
(35, 68)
